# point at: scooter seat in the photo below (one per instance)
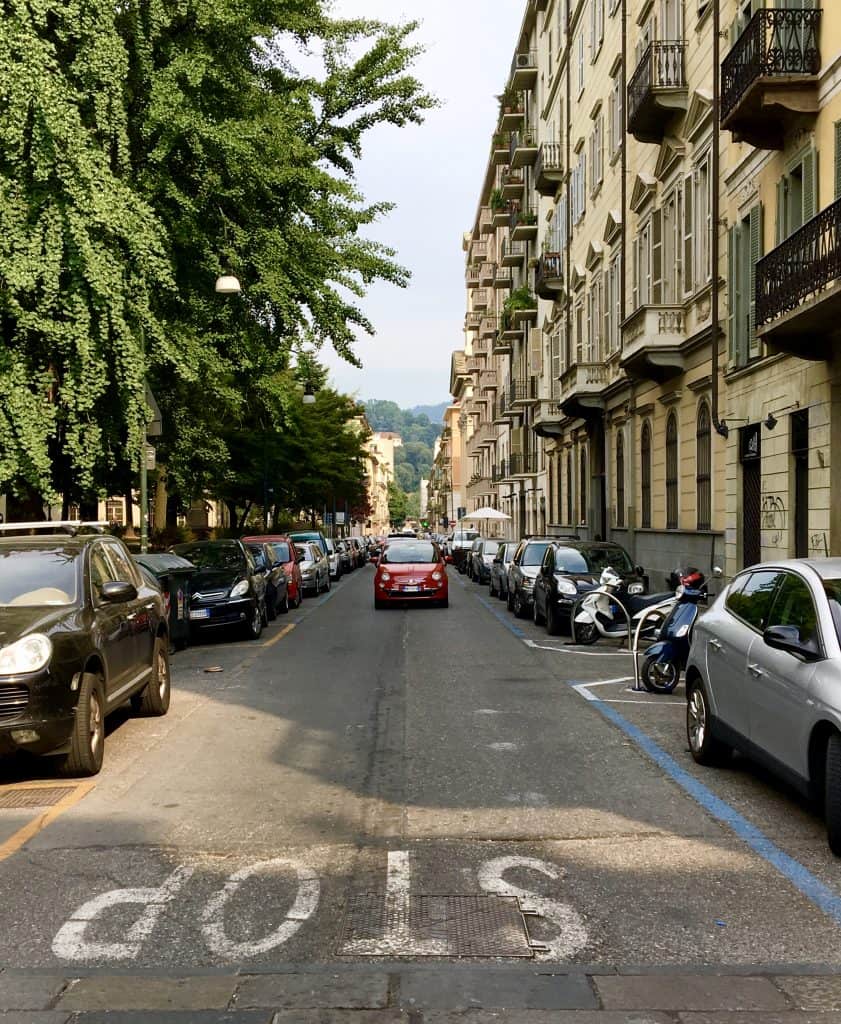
(639, 602)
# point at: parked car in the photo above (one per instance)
(308, 536)
(458, 544)
(411, 571)
(83, 632)
(764, 677)
(571, 568)
(271, 568)
(481, 560)
(476, 546)
(334, 559)
(346, 559)
(227, 591)
(284, 552)
(361, 551)
(498, 583)
(315, 569)
(525, 565)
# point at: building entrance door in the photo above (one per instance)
(750, 453)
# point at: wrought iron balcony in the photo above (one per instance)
(522, 464)
(523, 391)
(769, 78)
(657, 89)
(488, 381)
(523, 223)
(549, 168)
(471, 277)
(549, 276)
(798, 288)
(581, 389)
(653, 340)
(524, 149)
(546, 418)
(501, 344)
(513, 253)
(524, 70)
(504, 278)
(472, 319)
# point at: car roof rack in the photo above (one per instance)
(70, 526)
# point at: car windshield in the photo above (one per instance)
(832, 589)
(467, 535)
(212, 556)
(533, 555)
(410, 553)
(599, 559)
(491, 547)
(570, 560)
(303, 553)
(282, 552)
(46, 576)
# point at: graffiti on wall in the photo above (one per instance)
(774, 519)
(818, 546)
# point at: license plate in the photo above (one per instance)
(200, 613)
(411, 590)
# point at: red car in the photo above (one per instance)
(411, 571)
(284, 551)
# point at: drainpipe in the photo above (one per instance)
(716, 217)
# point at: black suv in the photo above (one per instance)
(522, 573)
(569, 569)
(82, 632)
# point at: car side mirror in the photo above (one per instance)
(117, 592)
(638, 569)
(449, 559)
(787, 638)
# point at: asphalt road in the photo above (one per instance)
(410, 752)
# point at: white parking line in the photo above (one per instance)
(577, 650)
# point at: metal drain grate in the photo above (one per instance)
(447, 926)
(34, 796)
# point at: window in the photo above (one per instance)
(569, 488)
(613, 306)
(648, 262)
(671, 473)
(123, 566)
(596, 28)
(794, 607)
(595, 303)
(579, 47)
(597, 155)
(578, 188)
(614, 6)
(114, 511)
(557, 347)
(702, 222)
(614, 115)
(752, 603)
(101, 569)
(672, 249)
(703, 467)
(645, 475)
(743, 253)
(580, 349)
(620, 478)
(797, 195)
(582, 484)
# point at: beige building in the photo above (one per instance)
(601, 398)
(379, 473)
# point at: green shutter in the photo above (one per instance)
(755, 220)
(838, 159)
(732, 289)
(780, 227)
(810, 185)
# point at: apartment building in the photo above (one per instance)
(450, 472)
(660, 336)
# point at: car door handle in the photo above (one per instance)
(715, 643)
(755, 671)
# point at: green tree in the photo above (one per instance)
(397, 505)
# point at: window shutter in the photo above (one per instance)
(636, 288)
(755, 221)
(838, 159)
(688, 239)
(535, 368)
(732, 296)
(780, 226)
(657, 257)
(810, 185)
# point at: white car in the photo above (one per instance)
(315, 569)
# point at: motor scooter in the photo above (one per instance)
(666, 659)
(600, 614)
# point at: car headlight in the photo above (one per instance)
(636, 588)
(567, 587)
(240, 589)
(385, 577)
(29, 654)
(437, 576)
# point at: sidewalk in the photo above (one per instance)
(438, 993)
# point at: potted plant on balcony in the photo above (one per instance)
(498, 201)
(519, 305)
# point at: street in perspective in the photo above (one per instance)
(512, 694)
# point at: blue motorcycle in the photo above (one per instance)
(666, 659)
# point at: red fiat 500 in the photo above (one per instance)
(411, 570)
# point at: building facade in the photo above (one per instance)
(650, 281)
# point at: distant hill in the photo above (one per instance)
(417, 428)
(434, 412)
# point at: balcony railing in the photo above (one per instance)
(549, 168)
(523, 223)
(806, 264)
(513, 253)
(523, 150)
(661, 71)
(471, 277)
(521, 464)
(549, 275)
(524, 390)
(776, 42)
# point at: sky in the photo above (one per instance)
(433, 172)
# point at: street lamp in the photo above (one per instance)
(309, 394)
(227, 284)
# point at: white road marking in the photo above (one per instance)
(71, 942)
(571, 934)
(577, 650)
(304, 906)
(502, 746)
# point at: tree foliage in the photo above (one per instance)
(144, 148)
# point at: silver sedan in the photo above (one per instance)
(764, 677)
(315, 568)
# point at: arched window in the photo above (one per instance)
(703, 467)
(582, 484)
(645, 474)
(620, 478)
(569, 489)
(671, 472)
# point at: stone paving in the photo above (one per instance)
(433, 994)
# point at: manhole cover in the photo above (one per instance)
(34, 796)
(458, 926)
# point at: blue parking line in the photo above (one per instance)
(510, 624)
(799, 875)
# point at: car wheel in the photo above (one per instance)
(502, 594)
(491, 588)
(584, 633)
(659, 676)
(539, 620)
(444, 602)
(153, 699)
(299, 595)
(283, 608)
(271, 608)
(509, 600)
(264, 615)
(520, 606)
(553, 620)
(327, 585)
(832, 793)
(703, 745)
(87, 740)
(254, 626)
